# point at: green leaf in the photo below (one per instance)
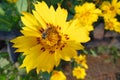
(22, 5)
(5, 24)
(3, 62)
(93, 52)
(2, 77)
(2, 12)
(46, 75)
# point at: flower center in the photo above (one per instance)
(51, 36)
(112, 8)
(110, 25)
(51, 39)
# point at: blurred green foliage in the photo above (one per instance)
(10, 19)
(113, 51)
(10, 12)
(8, 16)
(10, 71)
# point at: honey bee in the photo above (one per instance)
(46, 32)
(44, 35)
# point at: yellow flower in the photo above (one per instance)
(81, 60)
(58, 75)
(12, 1)
(112, 24)
(79, 72)
(47, 38)
(87, 14)
(110, 9)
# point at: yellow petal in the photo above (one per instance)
(79, 72)
(67, 53)
(29, 20)
(58, 75)
(114, 2)
(52, 15)
(45, 62)
(61, 17)
(40, 19)
(75, 45)
(77, 33)
(24, 43)
(43, 10)
(29, 32)
(31, 57)
(57, 57)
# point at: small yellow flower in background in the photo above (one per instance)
(87, 14)
(112, 24)
(79, 72)
(81, 59)
(47, 38)
(58, 75)
(12, 1)
(110, 9)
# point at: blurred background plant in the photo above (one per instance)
(102, 41)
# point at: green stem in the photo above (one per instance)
(61, 1)
(2, 20)
(29, 5)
